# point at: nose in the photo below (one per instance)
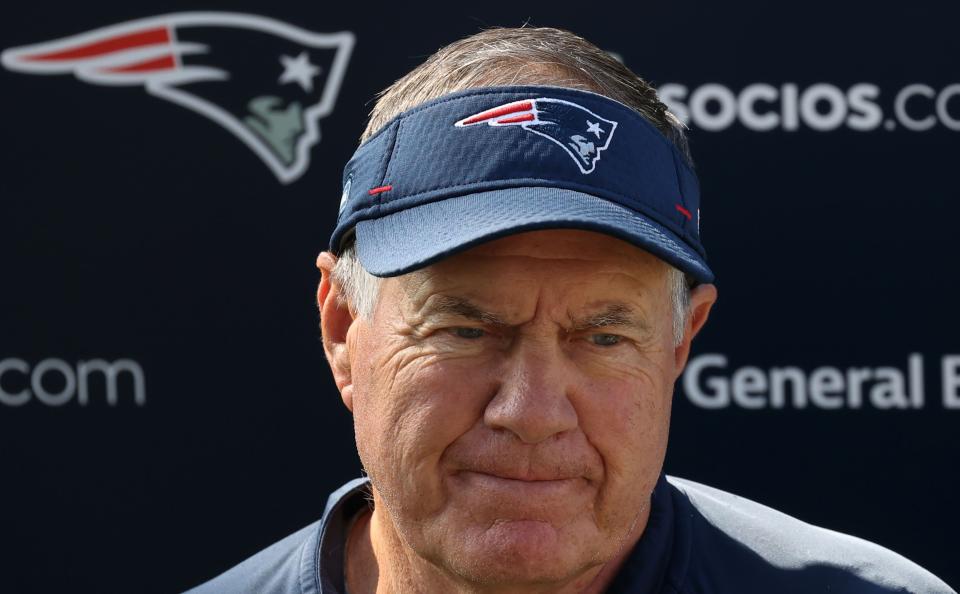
(532, 401)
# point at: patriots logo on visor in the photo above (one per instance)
(265, 81)
(576, 129)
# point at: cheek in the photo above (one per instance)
(407, 410)
(627, 421)
(628, 411)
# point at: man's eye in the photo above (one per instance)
(470, 333)
(606, 339)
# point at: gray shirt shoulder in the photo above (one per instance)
(738, 545)
(284, 567)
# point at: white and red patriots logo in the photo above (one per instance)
(265, 81)
(579, 131)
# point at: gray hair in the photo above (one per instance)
(525, 56)
(359, 290)
(515, 56)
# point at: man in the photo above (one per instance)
(510, 294)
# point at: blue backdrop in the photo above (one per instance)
(165, 409)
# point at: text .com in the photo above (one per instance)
(56, 382)
(822, 107)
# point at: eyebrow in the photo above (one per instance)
(614, 315)
(460, 307)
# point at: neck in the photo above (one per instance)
(378, 561)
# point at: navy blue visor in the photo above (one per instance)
(484, 163)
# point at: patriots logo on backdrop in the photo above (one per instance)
(579, 131)
(265, 81)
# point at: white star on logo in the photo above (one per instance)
(299, 70)
(595, 128)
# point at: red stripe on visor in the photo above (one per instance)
(498, 111)
(527, 117)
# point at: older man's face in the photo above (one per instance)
(512, 403)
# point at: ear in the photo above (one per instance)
(335, 322)
(702, 298)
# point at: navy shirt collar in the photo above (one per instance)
(647, 569)
(342, 506)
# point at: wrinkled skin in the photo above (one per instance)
(511, 406)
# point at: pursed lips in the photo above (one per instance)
(540, 485)
(542, 476)
(520, 496)
(525, 477)
(543, 468)
(499, 464)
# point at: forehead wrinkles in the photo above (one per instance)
(566, 255)
(589, 297)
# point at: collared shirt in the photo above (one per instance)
(698, 540)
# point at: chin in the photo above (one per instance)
(518, 552)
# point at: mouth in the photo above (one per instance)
(526, 478)
(496, 483)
